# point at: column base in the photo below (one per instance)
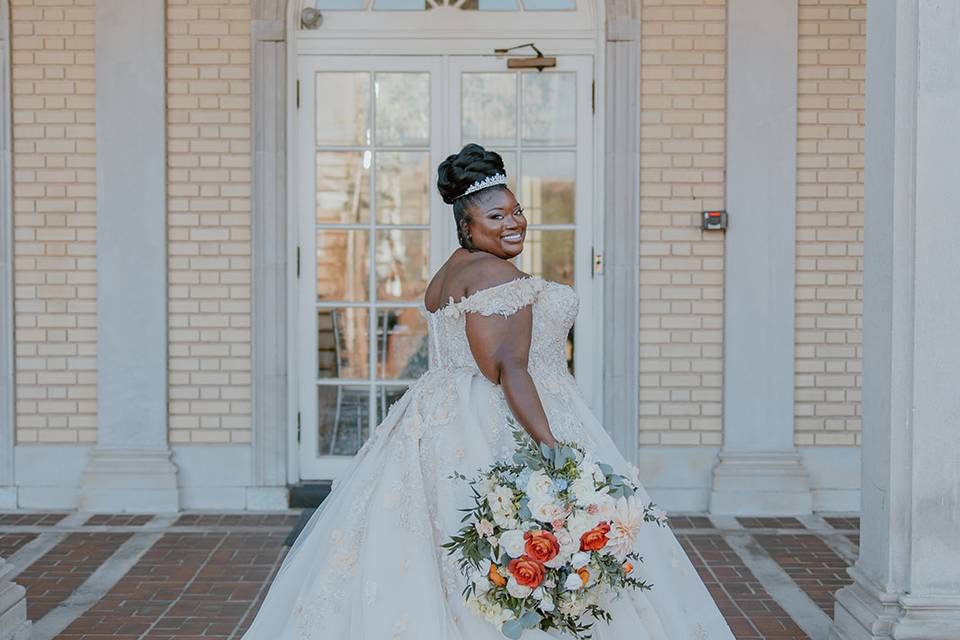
(129, 480)
(13, 608)
(865, 612)
(764, 483)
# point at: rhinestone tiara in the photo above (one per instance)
(489, 181)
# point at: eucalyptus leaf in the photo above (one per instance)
(512, 629)
(530, 619)
(605, 468)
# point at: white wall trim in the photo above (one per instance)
(7, 339)
(210, 477)
(681, 478)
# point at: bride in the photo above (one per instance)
(368, 565)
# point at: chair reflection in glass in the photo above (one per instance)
(401, 355)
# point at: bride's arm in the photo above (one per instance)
(501, 347)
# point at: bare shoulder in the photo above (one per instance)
(488, 271)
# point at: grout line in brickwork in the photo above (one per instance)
(779, 585)
(94, 587)
(34, 550)
(186, 586)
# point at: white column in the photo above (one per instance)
(8, 492)
(907, 579)
(760, 471)
(130, 468)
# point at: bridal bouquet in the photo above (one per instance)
(551, 532)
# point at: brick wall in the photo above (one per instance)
(681, 268)
(54, 204)
(208, 85)
(829, 221)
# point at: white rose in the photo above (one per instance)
(546, 605)
(573, 582)
(568, 546)
(584, 490)
(579, 559)
(581, 522)
(512, 542)
(516, 589)
(539, 485)
(538, 593)
(547, 510)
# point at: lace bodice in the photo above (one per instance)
(554, 310)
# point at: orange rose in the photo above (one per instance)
(541, 545)
(627, 567)
(527, 571)
(495, 576)
(596, 538)
(584, 575)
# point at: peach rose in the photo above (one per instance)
(542, 546)
(496, 577)
(584, 575)
(527, 571)
(596, 538)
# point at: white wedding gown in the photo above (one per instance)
(368, 564)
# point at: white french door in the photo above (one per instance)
(372, 228)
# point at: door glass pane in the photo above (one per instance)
(403, 179)
(403, 108)
(547, 184)
(489, 108)
(549, 108)
(401, 343)
(548, 254)
(342, 343)
(402, 263)
(343, 264)
(343, 186)
(343, 418)
(343, 108)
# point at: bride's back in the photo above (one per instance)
(465, 273)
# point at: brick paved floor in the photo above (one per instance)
(203, 575)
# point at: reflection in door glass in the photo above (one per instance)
(372, 191)
(343, 108)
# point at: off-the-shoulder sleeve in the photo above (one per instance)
(502, 299)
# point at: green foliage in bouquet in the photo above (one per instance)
(550, 534)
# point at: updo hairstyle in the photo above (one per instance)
(457, 173)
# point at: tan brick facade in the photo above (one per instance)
(208, 84)
(54, 218)
(208, 87)
(830, 89)
(681, 267)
